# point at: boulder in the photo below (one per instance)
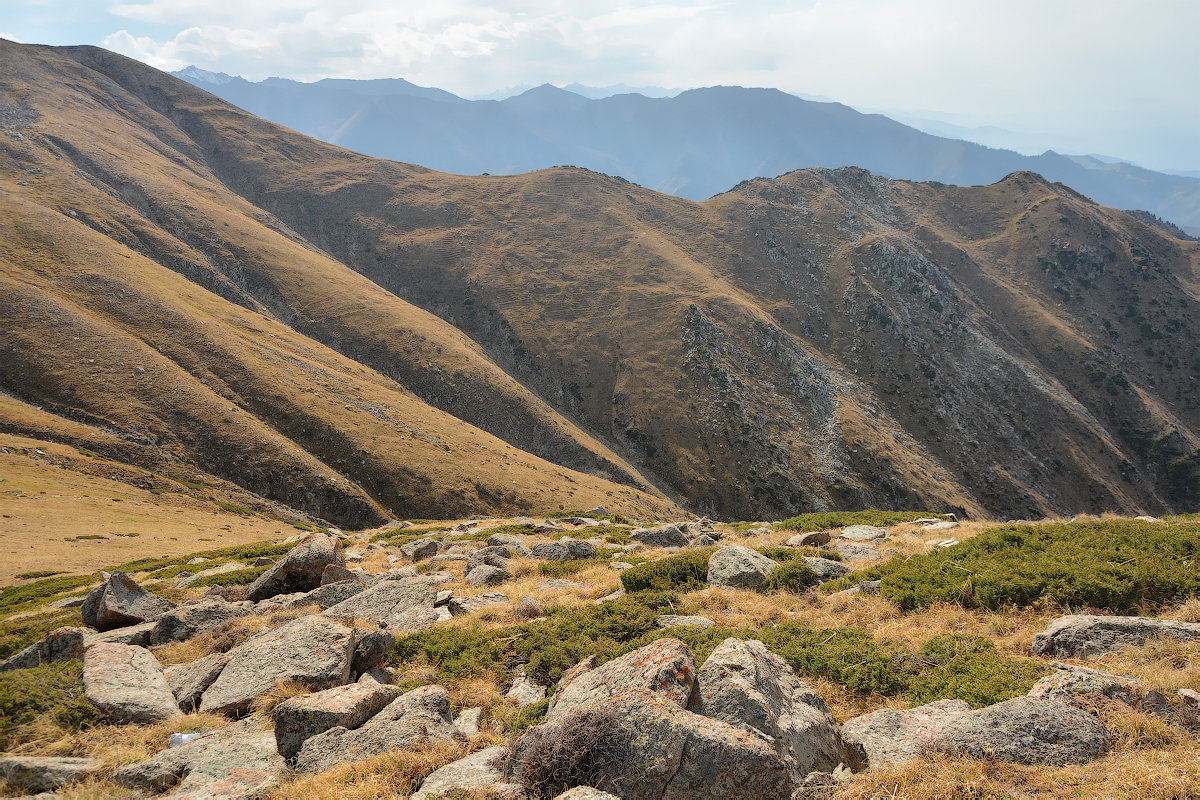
(509, 540)
(188, 681)
(370, 649)
(312, 650)
(60, 644)
(739, 567)
(942, 525)
(414, 719)
(677, 621)
(235, 762)
(524, 692)
(299, 718)
(189, 619)
(119, 601)
(664, 668)
(1069, 681)
(126, 684)
(327, 595)
(746, 685)
(301, 569)
(336, 573)
(386, 603)
(1084, 636)
(486, 575)
(810, 539)
(494, 555)
(564, 549)
(420, 549)
(663, 536)
(854, 551)
(35, 774)
(1027, 730)
(863, 533)
(891, 736)
(826, 568)
(479, 771)
(468, 721)
(465, 605)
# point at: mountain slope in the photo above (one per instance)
(826, 339)
(695, 144)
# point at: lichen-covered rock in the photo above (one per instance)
(188, 681)
(826, 568)
(386, 602)
(137, 635)
(412, 720)
(327, 595)
(678, 621)
(856, 551)
(187, 620)
(460, 606)
(476, 772)
(663, 536)
(1027, 730)
(746, 685)
(863, 533)
(301, 717)
(664, 668)
(126, 684)
(892, 736)
(492, 556)
(487, 575)
(60, 644)
(420, 549)
(564, 549)
(524, 691)
(35, 774)
(1071, 681)
(585, 793)
(235, 762)
(1085, 636)
(370, 649)
(119, 601)
(739, 567)
(301, 569)
(313, 650)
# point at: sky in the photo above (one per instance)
(1113, 77)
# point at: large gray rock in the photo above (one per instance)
(235, 762)
(119, 601)
(739, 567)
(492, 555)
(487, 575)
(1027, 730)
(302, 717)
(420, 549)
(126, 684)
(746, 685)
(192, 618)
(412, 720)
(1084, 636)
(663, 536)
(300, 570)
(477, 772)
(826, 568)
(664, 668)
(680, 621)
(1069, 681)
(327, 595)
(35, 774)
(460, 606)
(863, 533)
(60, 644)
(564, 549)
(891, 736)
(810, 539)
(370, 649)
(137, 635)
(188, 681)
(856, 551)
(312, 650)
(509, 540)
(386, 602)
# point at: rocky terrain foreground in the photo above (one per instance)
(588, 657)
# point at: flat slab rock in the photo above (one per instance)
(477, 771)
(189, 619)
(388, 602)
(45, 773)
(893, 736)
(236, 762)
(460, 606)
(1087, 636)
(664, 621)
(302, 717)
(314, 650)
(1027, 730)
(126, 684)
(863, 533)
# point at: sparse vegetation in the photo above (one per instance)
(791, 576)
(958, 667)
(50, 690)
(825, 521)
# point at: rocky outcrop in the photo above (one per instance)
(1085, 636)
(739, 567)
(893, 736)
(663, 536)
(1027, 730)
(300, 718)
(487, 575)
(411, 720)
(192, 618)
(328, 595)
(60, 644)
(188, 681)
(236, 762)
(300, 570)
(126, 684)
(387, 602)
(746, 685)
(34, 774)
(564, 549)
(119, 601)
(312, 650)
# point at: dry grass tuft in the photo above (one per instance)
(393, 776)
(284, 690)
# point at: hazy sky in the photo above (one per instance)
(1118, 77)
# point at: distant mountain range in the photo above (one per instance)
(695, 144)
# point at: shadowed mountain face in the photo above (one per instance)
(694, 145)
(398, 339)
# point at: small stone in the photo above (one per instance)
(468, 721)
(35, 774)
(810, 539)
(863, 533)
(676, 621)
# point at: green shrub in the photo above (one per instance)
(1120, 565)
(790, 576)
(958, 667)
(238, 577)
(682, 572)
(50, 689)
(851, 657)
(839, 519)
(525, 718)
(453, 652)
(31, 595)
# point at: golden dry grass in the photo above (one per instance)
(393, 776)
